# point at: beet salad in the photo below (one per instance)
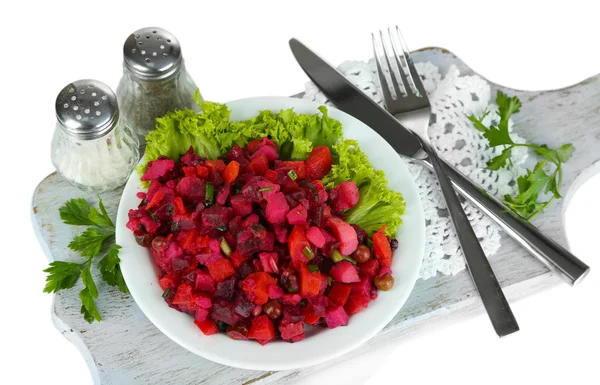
(257, 247)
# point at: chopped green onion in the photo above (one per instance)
(307, 251)
(266, 189)
(337, 256)
(210, 192)
(225, 247)
(313, 268)
(303, 303)
(152, 216)
(165, 293)
(292, 174)
(221, 228)
(330, 280)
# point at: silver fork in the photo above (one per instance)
(411, 107)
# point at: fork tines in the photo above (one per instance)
(401, 70)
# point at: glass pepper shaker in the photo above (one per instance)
(154, 80)
(92, 147)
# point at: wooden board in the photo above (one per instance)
(126, 348)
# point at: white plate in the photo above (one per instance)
(320, 344)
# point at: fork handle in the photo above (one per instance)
(554, 256)
(487, 285)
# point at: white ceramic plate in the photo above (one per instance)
(320, 344)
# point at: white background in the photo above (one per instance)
(237, 50)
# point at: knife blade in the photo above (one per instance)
(348, 98)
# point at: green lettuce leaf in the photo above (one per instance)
(378, 205)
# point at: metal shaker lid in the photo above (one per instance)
(152, 54)
(87, 109)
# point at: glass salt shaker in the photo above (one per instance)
(154, 80)
(92, 147)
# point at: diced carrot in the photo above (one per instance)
(208, 327)
(202, 171)
(253, 146)
(311, 319)
(231, 172)
(155, 199)
(179, 207)
(218, 165)
(189, 171)
(382, 248)
(221, 269)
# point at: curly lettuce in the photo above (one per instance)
(378, 204)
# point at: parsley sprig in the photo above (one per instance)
(64, 275)
(546, 176)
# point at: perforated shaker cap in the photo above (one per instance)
(152, 54)
(87, 109)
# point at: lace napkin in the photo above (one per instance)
(453, 97)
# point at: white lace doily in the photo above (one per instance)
(453, 97)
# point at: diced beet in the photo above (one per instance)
(269, 151)
(383, 271)
(208, 258)
(261, 329)
(190, 158)
(344, 196)
(315, 236)
(356, 302)
(269, 262)
(292, 313)
(215, 217)
(297, 215)
(291, 299)
(183, 295)
(149, 224)
(236, 153)
(243, 307)
(369, 268)
(268, 188)
(226, 289)
(179, 264)
(202, 300)
(223, 194)
(158, 168)
(204, 281)
(344, 271)
(281, 232)
(259, 164)
(336, 317)
(361, 234)
(241, 206)
(289, 281)
(201, 314)
(339, 293)
(191, 189)
(317, 306)
(250, 191)
(277, 208)
(248, 243)
(235, 225)
(245, 270)
(292, 331)
(174, 251)
(224, 311)
(345, 234)
(275, 292)
(364, 286)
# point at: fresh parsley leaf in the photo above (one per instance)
(76, 212)
(536, 182)
(100, 219)
(104, 213)
(61, 275)
(499, 161)
(110, 269)
(88, 309)
(565, 152)
(498, 136)
(90, 241)
(88, 280)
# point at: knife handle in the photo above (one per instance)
(554, 256)
(479, 267)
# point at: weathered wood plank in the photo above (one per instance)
(126, 348)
